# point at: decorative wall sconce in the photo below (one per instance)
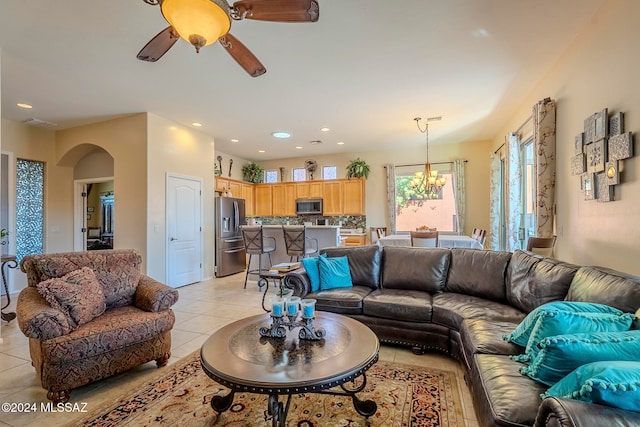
(598, 154)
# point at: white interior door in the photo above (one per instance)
(184, 230)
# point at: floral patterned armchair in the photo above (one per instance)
(89, 315)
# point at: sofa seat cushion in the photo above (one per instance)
(398, 304)
(451, 309)
(507, 395)
(116, 328)
(485, 337)
(341, 300)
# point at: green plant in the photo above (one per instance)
(4, 233)
(253, 172)
(358, 168)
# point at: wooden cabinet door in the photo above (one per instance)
(283, 199)
(315, 189)
(353, 197)
(248, 196)
(221, 184)
(262, 201)
(332, 196)
(355, 241)
(236, 188)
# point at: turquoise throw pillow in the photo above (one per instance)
(311, 266)
(561, 354)
(609, 383)
(334, 273)
(562, 322)
(523, 331)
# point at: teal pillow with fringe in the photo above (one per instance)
(311, 266)
(561, 354)
(523, 331)
(615, 384)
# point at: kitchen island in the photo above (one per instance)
(327, 236)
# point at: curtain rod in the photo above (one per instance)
(432, 163)
(516, 131)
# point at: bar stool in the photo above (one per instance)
(295, 240)
(256, 244)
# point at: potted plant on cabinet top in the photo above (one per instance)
(253, 172)
(358, 168)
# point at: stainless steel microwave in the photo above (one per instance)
(308, 206)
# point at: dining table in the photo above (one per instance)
(444, 241)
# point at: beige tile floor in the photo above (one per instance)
(203, 308)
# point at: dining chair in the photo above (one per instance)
(541, 245)
(297, 242)
(381, 231)
(480, 235)
(255, 243)
(424, 239)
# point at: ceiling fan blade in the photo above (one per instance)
(242, 55)
(159, 45)
(278, 10)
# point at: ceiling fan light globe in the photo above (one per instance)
(202, 20)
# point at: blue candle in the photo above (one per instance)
(308, 308)
(277, 307)
(292, 306)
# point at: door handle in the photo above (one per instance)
(173, 238)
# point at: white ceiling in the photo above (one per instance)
(365, 70)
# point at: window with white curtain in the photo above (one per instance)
(270, 176)
(413, 211)
(299, 174)
(329, 172)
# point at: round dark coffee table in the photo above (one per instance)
(237, 357)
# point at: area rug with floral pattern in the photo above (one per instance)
(406, 396)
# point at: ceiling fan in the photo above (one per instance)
(202, 22)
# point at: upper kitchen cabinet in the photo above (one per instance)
(353, 198)
(248, 194)
(263, 201)
(332, 197)
(310, 189)
(283, 199)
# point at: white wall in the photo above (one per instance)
(477, 175)
(600, 70)
(173, 148)
(236, 169)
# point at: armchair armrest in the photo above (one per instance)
(560, 412)
(298, 281)
(37, 319)
(152, 295)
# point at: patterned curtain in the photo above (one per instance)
(544, 134)
(513, 203)
(391, 196)
(459, 193)
(495, 196)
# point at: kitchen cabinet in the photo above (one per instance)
(355, 240)
(283, 198)
(332, 197)
(221, 184)
(263, 200)
(353, 197)
(228, 184)
(306, 190)
(248, 191)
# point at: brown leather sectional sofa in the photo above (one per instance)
(461, 302)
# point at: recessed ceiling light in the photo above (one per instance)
(325, 129)
(234, 140)
(196, 124)
(340, 143)
(260, 151)
(281, 135)
(25, 106)
(298, 148)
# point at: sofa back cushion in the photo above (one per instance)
(606, 286)
(117, 270)
(533, 280)
(478, 273)
(418, 269)
(364, 263)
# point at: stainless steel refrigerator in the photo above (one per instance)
(230, 254)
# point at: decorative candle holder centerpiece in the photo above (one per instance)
(290, 313)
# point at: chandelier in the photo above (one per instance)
(428, 183)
